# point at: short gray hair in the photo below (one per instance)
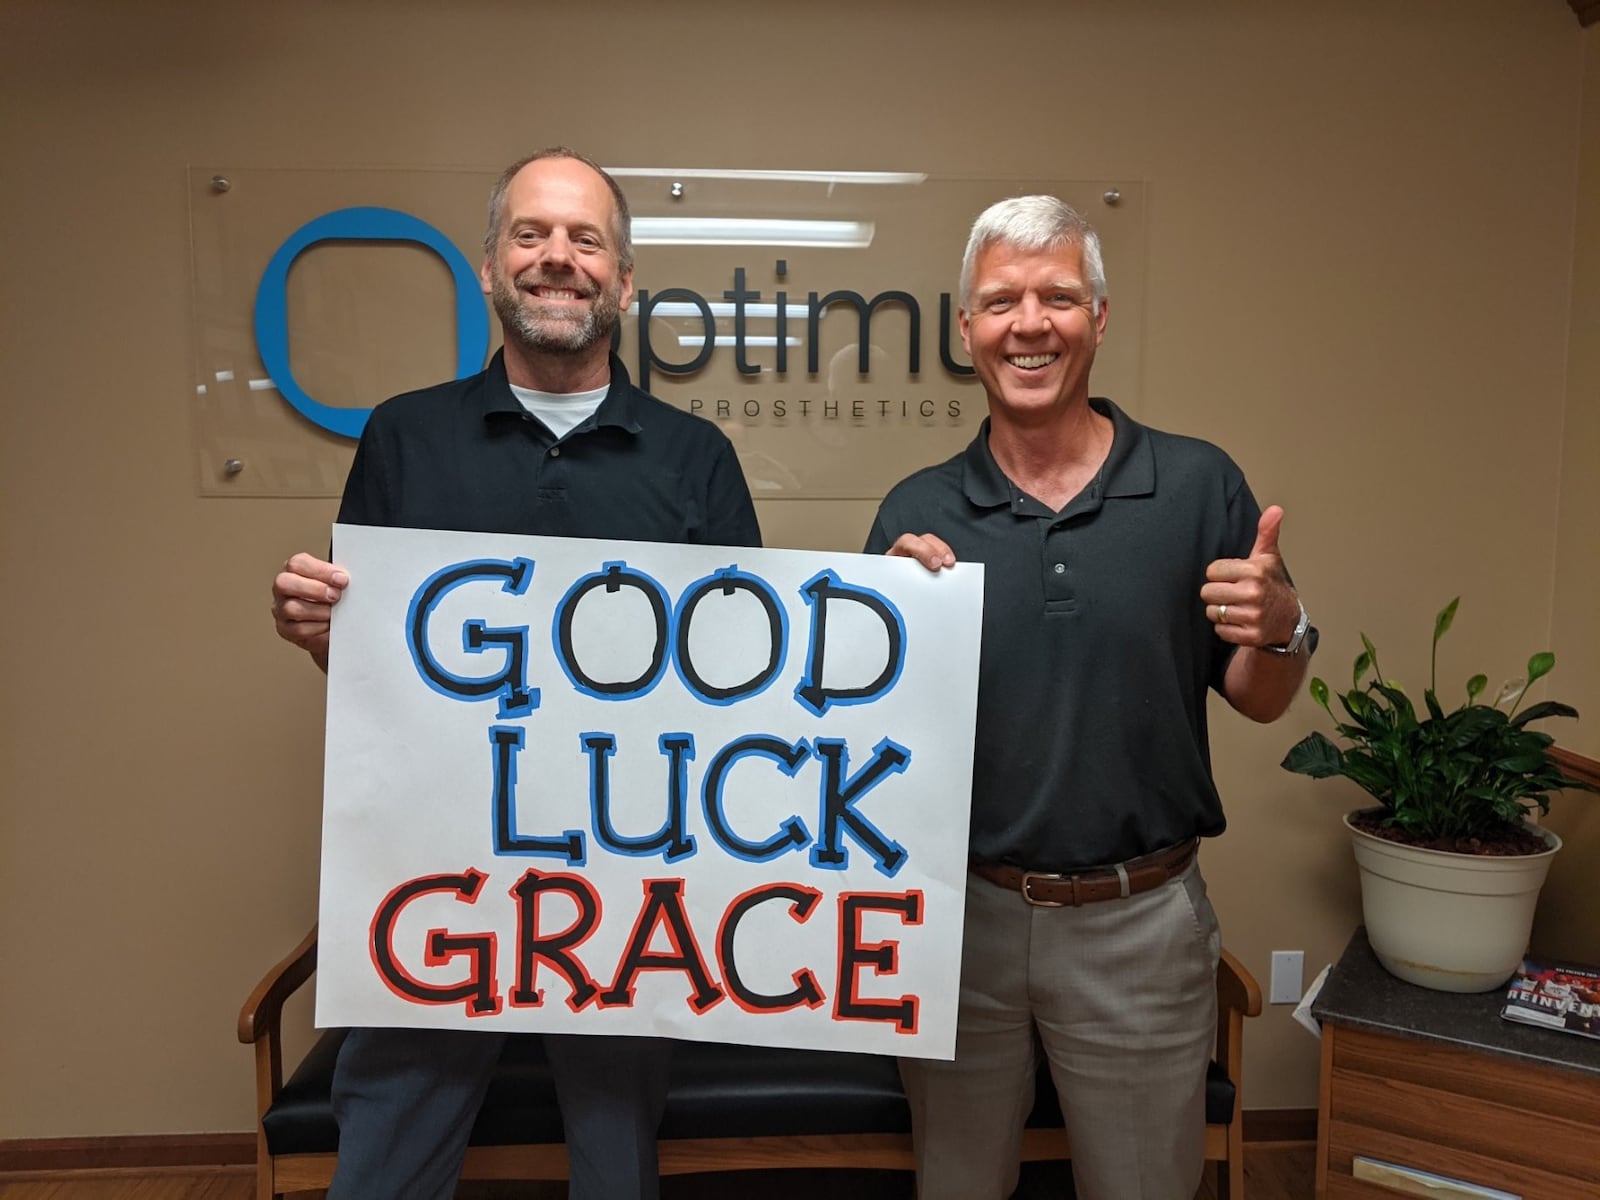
(622, 226)
(1035, 223)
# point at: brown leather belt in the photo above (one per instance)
(1092, 883)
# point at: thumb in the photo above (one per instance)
(1267, 532)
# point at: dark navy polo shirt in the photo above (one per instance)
(466, 455)
(1091, 742)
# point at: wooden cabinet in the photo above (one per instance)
(1422, 1081)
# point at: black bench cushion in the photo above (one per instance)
(717, 1091)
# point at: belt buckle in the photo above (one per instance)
(1027, 877)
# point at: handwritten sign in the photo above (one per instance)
(633, 788)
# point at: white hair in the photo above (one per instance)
(1035, 223)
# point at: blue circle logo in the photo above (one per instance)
(360, 225)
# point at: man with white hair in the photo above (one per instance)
(1126, 571)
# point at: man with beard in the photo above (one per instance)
(551, 439)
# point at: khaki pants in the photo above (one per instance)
(1123, 996)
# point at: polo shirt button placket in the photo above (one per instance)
(1058, 589)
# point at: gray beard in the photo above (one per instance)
(551, 328)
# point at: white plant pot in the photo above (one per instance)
(1451, 922)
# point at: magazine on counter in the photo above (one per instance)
(1556, 996)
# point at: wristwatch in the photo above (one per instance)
(1298, 636)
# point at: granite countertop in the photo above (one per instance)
(1361, 994)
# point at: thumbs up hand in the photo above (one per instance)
(1267, 533)
(1249, 600)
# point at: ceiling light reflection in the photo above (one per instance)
(720, 310)
(829, 177)
(695, 339)
(751, 231)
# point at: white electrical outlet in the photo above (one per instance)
(1288, 976)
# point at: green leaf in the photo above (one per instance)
(1316, 756)
(1545, 708)
(1540, 664)
(1521, 763)
(1359, 707)
(1363, 665)
(1475, 687)
(1400, 700)
(1371, 777)
(1319, 693)
(1467, 725)
(1446, 617)
(1372, 654)
(1432, 701)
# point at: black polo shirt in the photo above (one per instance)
(466, 455)
(1091, 743)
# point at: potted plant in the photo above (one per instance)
(1450, 863)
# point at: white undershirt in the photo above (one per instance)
(561, 412)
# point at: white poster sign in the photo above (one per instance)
(633, 788)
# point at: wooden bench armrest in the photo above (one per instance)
(1238, 997)
(262, 1013)
(1236, 987)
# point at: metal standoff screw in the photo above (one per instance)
(676, 190)
(1112, 197)
(220, 183)
(233, 466)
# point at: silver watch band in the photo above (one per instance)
(1295, 638)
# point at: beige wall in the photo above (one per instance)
(1568, 921)
(1360, 282)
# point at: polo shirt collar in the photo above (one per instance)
(619, 408)
(1129, 470)
(982, 479)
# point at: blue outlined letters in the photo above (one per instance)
(612, 578)
(839, 792)
(813, 691)
(728, 581)
(791, 835)
(510, 683)
(839, 795)
(670, 841)
(507, 742)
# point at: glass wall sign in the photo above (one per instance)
(811, 315)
